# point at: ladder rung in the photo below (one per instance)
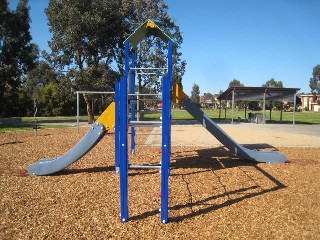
(137, 133)
(144, 94)
(145, 123)
(149, 144)
(133, 166)
(148, 111)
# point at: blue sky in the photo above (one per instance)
(249, 40)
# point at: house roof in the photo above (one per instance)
(256, 94)
(148, 28)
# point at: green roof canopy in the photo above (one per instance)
(148, 28)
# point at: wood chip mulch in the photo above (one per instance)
(213, 194)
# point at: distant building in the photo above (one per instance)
(209, 103)
(310, 102)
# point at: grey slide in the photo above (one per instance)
(53, 165)
(225, 139)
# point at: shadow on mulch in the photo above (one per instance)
(209, 160)
(84, 170)
(10, 143)
(202, 160)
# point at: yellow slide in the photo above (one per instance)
(107, 118)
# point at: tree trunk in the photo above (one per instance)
(89, 109)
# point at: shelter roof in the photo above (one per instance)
(148, 28)
(256, 94)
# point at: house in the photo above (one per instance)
(209, 103)
(310, 102)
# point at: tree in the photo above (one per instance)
(17, 54)
(195, 93)
(272, 83)
(314, 83)
(87, 37)
(208, 96)
(51, 89)
(154, 51)
(235, 83)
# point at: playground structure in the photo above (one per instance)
(121, 115)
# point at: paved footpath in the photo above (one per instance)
(276, 135)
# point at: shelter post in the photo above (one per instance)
(220, 105)
(225, 109)
(264, 108)
(245, 110)
(294, 109)
(232, 107)
(78, 111)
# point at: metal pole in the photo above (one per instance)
(123, 138)
(134, 68)
(166, 139)
(294, 109)
(117, 128)
(78, 111)
(245, 110)
(220, 106)
(144, 94)
(98, 92)
(132, 90)
(134, 166)
(232, 107)
(138, 107)
(225, 109)
(264, 108)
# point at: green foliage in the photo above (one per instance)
(195, 93)
(314, 82)
(17, 55)
(235, 83)
(153, 51)
(87, 37)
(86, 41)
(85, 32)
(208, 96)
(272, 83)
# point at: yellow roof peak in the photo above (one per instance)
(148, 28)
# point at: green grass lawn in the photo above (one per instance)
(28, 123)
(287, 117)
(177, 114)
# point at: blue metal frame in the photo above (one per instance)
(121, 136)
(132, 90)
(123, 139)
(166, 138)
(117, 127)
(123, 146)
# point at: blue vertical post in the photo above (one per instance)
(166, 138)
(123, 139)
(117, 127)
(165, 153)
(123, 152)
(170, 45)
(170, 62)
(132, 90)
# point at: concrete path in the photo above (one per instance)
(275, 135)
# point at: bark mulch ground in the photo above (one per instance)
(213, 194)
